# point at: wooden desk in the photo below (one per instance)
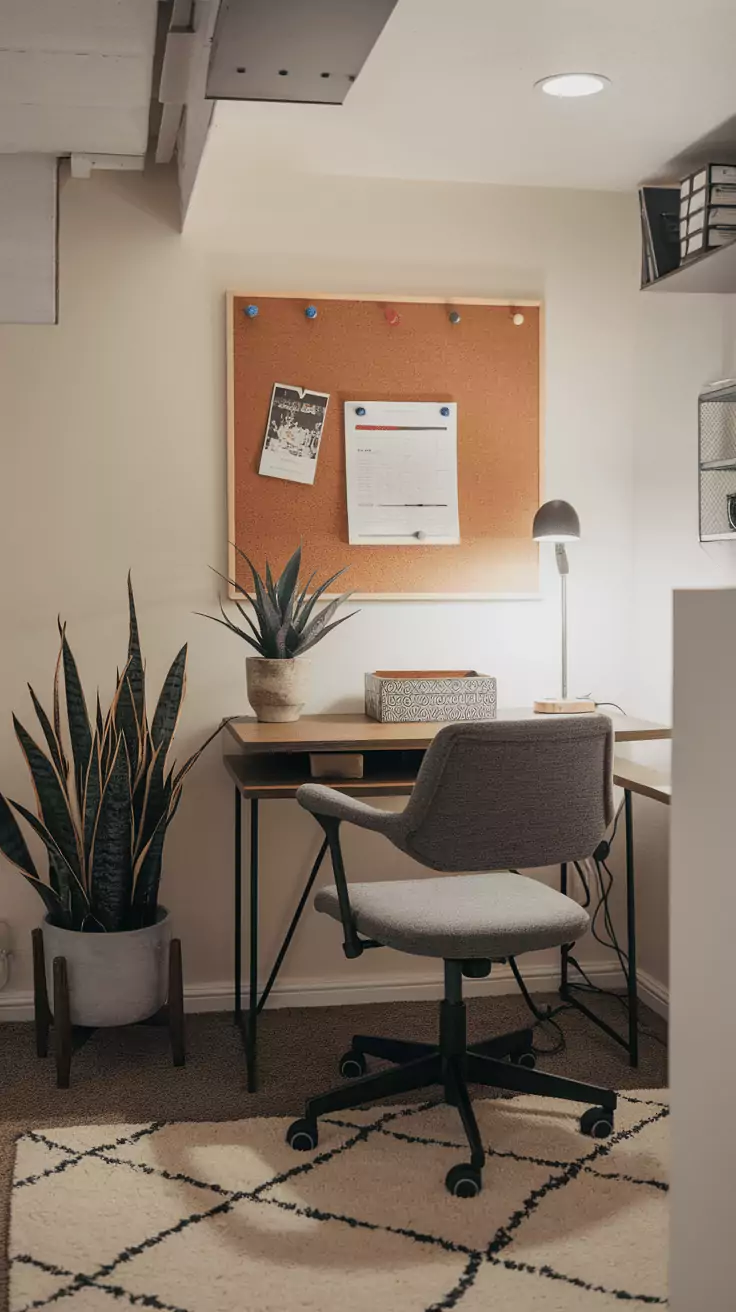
(268, 761)
(357, 732)
(273, 762)
(642, 779)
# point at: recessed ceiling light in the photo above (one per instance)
(573, 84)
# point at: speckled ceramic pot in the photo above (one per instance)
(277, 690)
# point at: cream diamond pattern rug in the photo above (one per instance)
(189, 1217)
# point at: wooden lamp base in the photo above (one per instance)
(564, 706)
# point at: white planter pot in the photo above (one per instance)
(277, 690)
(114, 979)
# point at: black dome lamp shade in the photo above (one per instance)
(556, 521)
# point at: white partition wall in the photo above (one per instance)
(703, 949)
(28, 210)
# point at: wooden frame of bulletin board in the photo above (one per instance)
(486, 363)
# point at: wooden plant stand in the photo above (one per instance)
(69, 1038)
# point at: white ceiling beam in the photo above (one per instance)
(39, 129)
(186, 113)
(181, 14)
(176, 70)
(82, 165)
(59, 79)
(179, 59)
(75, 75)
(78, 26)
(168, 132)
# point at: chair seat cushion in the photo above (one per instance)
(462, 916)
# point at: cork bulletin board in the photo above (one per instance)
(485, 363)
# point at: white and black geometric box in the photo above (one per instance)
(416, 696)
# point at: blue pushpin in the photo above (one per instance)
(445, 410)
(454, 317)
(251, 311)
(311, 311)
(360, 410)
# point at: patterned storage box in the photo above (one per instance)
(408, 696)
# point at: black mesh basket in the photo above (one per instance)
(717, 462)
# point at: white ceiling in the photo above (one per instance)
(75, 75)
(448, 94)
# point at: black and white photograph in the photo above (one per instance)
(296, 418)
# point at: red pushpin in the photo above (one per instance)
(392, 317)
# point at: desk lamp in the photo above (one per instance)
(557, 521)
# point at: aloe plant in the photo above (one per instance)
(105, 800)
(286, 623)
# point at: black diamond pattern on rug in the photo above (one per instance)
(190, 1217)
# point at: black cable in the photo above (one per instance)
(590, 987)
(604, 879)
(613, 944)
(617, 817)
(585, 884)
(542, 1016)
(560, 1044)
(607, 920)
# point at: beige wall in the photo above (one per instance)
(28, 203)
(703, 1063)
(682, 343)
(113, 456)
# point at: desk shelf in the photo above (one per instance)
(642, 779)
(390, 773)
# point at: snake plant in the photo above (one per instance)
(105, 800)
(287, 624)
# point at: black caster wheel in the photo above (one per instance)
(526, 1059)
(352, 1065)
(303, 1136)
(597, 1123)
(464, 1181)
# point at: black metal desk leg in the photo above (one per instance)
(252, 1034)
(238, 913)
(564, 950)
(631, 934)
(292, 927)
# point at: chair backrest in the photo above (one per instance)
(512, 793)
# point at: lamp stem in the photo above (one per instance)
(563, 569)
(563, 584)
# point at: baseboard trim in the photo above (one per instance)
(654, 994)
(17, 1005)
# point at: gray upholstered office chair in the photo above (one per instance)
(494, 797)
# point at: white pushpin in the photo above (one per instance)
(419, 535)
(517, 318)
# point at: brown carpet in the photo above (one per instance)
(125, 1076)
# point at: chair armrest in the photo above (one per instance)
(321, 800)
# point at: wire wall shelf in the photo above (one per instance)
(717, 461)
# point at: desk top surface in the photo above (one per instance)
(357, 732)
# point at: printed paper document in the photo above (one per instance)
(401, 471)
